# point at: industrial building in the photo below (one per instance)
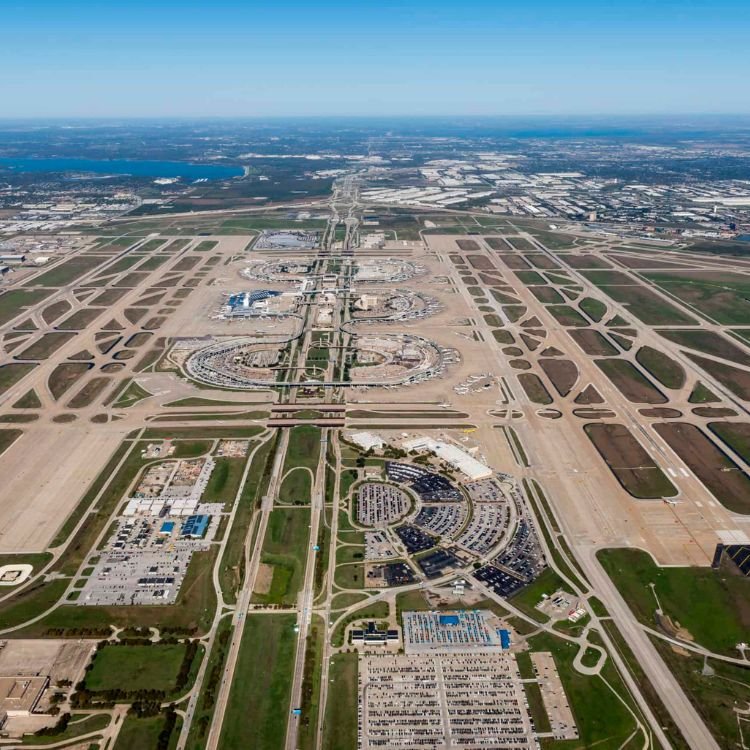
(452, 454)
(462, 631)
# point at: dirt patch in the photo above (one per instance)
(585, 261)
(134, 314)
(562, 372)
(504, 299)
(108, 297)
(154, 323)
(468, 246)
(138, 339)
(661, 412)
(585, 413)
(532, 344)
(634, 469)
(535, 388)
(721, 476)
(520, 364)
(55, 310)
(516, 262)
(592, 342)
(498, 244)
(514, 312)
(47, 345)
(113, 325)
(108, 344)
(552, 351)
(542, 261)
(66, 375)
(503, 337)
(549, 414)
(263, 579)
(589, 395)
(567, 316)
(150, 300)
(714, 412)
(132, 280)
(89, 393)
(546, 294)
(630, 382)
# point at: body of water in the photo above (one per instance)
(133, 167)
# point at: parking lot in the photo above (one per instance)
(444, 520)
(429, 702)
(431, 487)
(380, 504)
(486, 528)
(414, 539)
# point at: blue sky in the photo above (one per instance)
(88, 58)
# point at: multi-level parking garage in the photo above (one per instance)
(379, 360)
(279, 271)
(287, 239)
(385, 271)
(388, 307)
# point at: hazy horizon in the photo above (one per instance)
(399, 59)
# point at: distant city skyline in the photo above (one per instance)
(232, 59)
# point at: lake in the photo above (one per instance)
(136, 168)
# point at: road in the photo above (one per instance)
(243, 600)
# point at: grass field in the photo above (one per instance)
(80, 724)
(716, 294)
(285, 549)
(593, 308)
(43, 347)
(67, 271)
(225, 481)
(12, 373)
(7, 438)
(209, 688)
(668, 372)
(643, 303)
(296, 487)
(231, 572)
(141, 733)
(735, 434)
(310, 703)
(14, 301)
(340, 723)
(153, 667)
(191, 613)
(712, 605)
(304, 447)
(629, 381)
(209, 433)
(131, 395)
(636, 471)
(529, 596)
(259, 702)
(714, 695)
(603, 722)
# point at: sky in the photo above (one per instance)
(86, 58)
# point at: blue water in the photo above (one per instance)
(743, 237)
(135, 168)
